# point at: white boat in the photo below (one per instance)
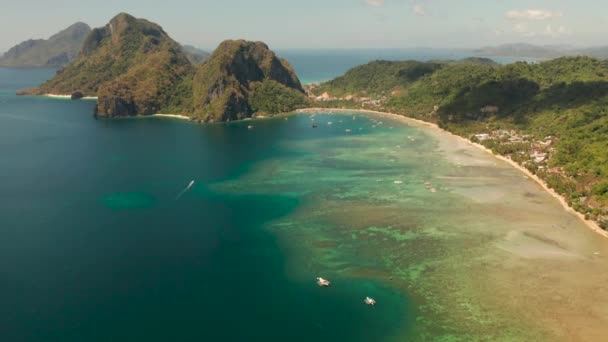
(370, 301)
(323, 282)
(250, 127)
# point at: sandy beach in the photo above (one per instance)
(171, 116)
(590, 224)
(68, 97)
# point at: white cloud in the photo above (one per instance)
(532, 14)
(419, 10)
(375, 3)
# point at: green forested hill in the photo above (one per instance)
(558, 107)
(135, 68)
(223, 85)
(131, 64)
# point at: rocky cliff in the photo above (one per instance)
(130, 64)
(135, 68)
(222, 86)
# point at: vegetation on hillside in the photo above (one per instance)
(379, 78)
(271, 97)
(135, 68)
(130, 64)
(222, 85)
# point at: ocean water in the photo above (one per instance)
(94, 245)
(454, 245)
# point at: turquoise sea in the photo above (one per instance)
(96, 243)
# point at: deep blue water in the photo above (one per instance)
(94, 245)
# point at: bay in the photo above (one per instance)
(452, 243)
(95, 246)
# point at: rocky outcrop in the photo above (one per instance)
(130, 64)
(114, 106)
(223, 84)
(77, 95)
(134, 68)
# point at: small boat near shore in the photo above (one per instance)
(323, 282)
(370, 301)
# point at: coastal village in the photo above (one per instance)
(534, 154)
(362, 101)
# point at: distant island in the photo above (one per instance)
(549, 117)
(525, 50)
(57, 51)
(63, 47)
(195, 55)
(133, 67)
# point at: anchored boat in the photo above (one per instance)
(370, 301)
(323, 282)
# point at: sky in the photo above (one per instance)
(286, 24)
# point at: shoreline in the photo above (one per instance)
(170, 116)
(592, 225)
(68, 97)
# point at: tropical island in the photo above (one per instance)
(133, 67)
(427, 183)
(57, 51)
(547, 117)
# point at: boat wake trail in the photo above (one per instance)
(185, 190)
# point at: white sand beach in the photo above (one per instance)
(590, 224)
(171, 116)
(68, 97)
